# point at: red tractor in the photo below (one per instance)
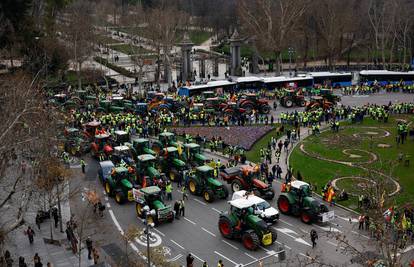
(101, 147)
(215, 103)
(317, 102)
(290, 97)
(251, 101)
(231, 108)
(247, 178)
(90, 129)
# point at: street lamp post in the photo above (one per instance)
(148, 214)
(290, 52)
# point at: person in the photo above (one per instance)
(22, 262)
(95, 254)
(89, 247)
(30, 233)
(278, 172)
(314, 236)
(55, 217)
(220, 263)
(49, 264)
(7, 259)
(205, 264)
(83, 165)
(182, 208)
(184, 191)
(37, 261)
(177, 209)
(168, 190)
(189, 260)
(361, 222)
(38, 221)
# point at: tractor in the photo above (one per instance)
(246, 177)
(122, 155)
(249, 102)
(202, 182)
(233, 109)
(297, 200)
(151, 197)
(74, 143)
(120, 184)
(261, 207)
(317, 102)
(101, 147)
(242, 222)
(171, 164)
(141, 146)
(147, 169)
(192, 154)
(90, 129)
(120, 138)
(215, 103)
(291, 97)
(165, 139)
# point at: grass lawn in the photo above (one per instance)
(106, 39)
(331, 145)
(253, 154)
(129, 49)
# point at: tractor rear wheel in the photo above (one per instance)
(249, 108)
(173, 174)
(119, 197)
(302, 103)
(236, 186)
(288, 103)
(305, 217)
(250, 240)
(283, 204)
(192, 186)
(139, 210)
(225, 227)
(208, 195)
(265, 109)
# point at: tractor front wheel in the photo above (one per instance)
(225, 227)
(283, 205)
(250, 240)
(265, 109)
(108, 189)
(236, 186)
(302, 103)
(192, 186)
(305, 217)
(288, 103)
(119, 197)
(139, 210)
(208, 195)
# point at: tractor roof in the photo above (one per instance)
(106, 163)
(102, 136)
(117, 98)
(72, 130)
(208, 92)
(250, 94)
(150, 190)
(248, 168)
(121, 169)
(317, 97)
(120, 132)
(140, 140)
(146, 157)
(191, 145)
(289, 90)
(298, 184)
(204, 168)
(171, 149)
(242, 203)
(212, 99)
(93, 123)
(60, 95)
(251, 198)
(121, 148)
(167, 134)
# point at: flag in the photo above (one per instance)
(382, 199)
(179, 150)
(404, 222)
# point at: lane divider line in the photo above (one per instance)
(204, 229)
(283, 221)
(197, 257)
(108, 205)
(158, 231)
(201, 202)
(216, 210)
(116, 222)
(250, 256)
(190, 221)
(224, 257)
(178, 245)
(231, 245)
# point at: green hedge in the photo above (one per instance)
(116, 68)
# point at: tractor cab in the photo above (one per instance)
(151, 197)
(208, 94)
(122, 155)
(120, 184)
(250, 174)
(171, 164)
(147, 169)
(192, 153)
(328, 95)
(74, 142)
(118, 101)
(101, 145)
(252, 97)
(289, 92)
(215, 103)
(142, 146)
(202, 182)
(167, 139)
(121, 137)
(60, 98)
(90, 128)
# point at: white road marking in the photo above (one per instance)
(305, 255)
(248, 255)
(158, 231)
(288, 232)
(283, 245)
(201, 202)
(231, 245)
(224, 257)
(283, 221)
(204, 229)
(216, 210)
(116, 222)
(329, 229)
(367, 237)
(108, 205)
(178, 245)
(106, 198)
(104, 192)
(197, 257)
(332, 243)
(190, 221)
(272, 252)
(175, 258)
(347, 219)
(265, 249)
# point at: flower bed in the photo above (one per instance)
(242, 136)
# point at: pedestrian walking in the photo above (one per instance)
(7, 259)
(220, 263)
(37, 261)
(190, 260)
(177, 209)
(95, 255)
(168, 190)
(83, 165)
(278, 172)
(184, 192)
(205, 264)
(30, 233)
(361, 219)
(55, 217)
(89, 247)
(182, 208)
(22, 262)
(314, 237)
(38, 221)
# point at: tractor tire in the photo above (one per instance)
(305, 217)
(249, 108)
(108, 189)
(173, 175)
(265, 109)
(302, 103)
(250, 240)
(225, 227)
(226, 192)
(120, 197)
(156, 148)
(193, 186)
(283, 205)
(288, 103)
(151, 219)
(274, 235)
(236, 186)
(140, 210)
(208, 195)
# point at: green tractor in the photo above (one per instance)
(151, 197)
(243, 223)
(74, 142)
(171, 164)
(203, 183)
(165, 139)
(146, 169)
(120, 184)
(192, 154)
(298, 201)
(141, 146)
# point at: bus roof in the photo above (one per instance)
(385, 72)
(249, 79)
(212, 84)
(285, 79)
(328, 74)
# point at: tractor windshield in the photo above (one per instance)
(306, 190)
(263, 205)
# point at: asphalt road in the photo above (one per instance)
(197, 233)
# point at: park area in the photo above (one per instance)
(357, 155)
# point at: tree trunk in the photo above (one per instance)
(51, 218)
(59, 208)
(278, 64)
(79, 76)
